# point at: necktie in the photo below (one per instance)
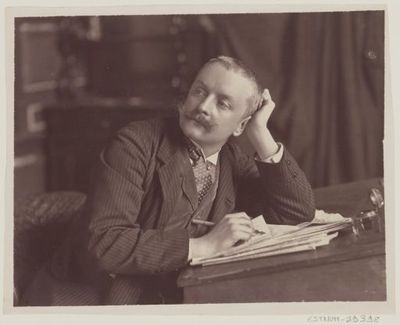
(202, 170)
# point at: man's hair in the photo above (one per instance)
(238, 66)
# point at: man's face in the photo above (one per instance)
(215, 106)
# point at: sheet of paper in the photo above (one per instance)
(313, 240)
(282, 249)
(230, 259)
(321, 217)
(282, 239)
(278, 234)
(273, 230)
(325, 217)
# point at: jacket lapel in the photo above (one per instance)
(225, 199)
(175, 174)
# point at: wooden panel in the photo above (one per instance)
(347, 199)
(40, 60)
(146, 56)
(36, 66)
(357, 280)
(135, 26)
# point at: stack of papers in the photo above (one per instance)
(282, 239)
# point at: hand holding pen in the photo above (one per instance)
(212, 224)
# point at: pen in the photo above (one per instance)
(203, 222)
(212, 224)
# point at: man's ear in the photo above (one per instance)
(239, 130)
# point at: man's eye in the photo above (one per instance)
(199, 91)
(224, 104)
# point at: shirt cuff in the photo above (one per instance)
(189, 258)
(275, 158)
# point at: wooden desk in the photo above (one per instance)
(350, 268)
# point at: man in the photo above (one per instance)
(159, 180)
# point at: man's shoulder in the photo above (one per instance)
(138, 139)
(238, 158)
(233, 150)
(153, 125)
(146, 130)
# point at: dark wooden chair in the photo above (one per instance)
(40, 225)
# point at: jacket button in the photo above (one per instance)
(288, 162)
(371, 54)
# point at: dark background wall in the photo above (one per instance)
(78, 79)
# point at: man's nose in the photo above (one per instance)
(206, 105)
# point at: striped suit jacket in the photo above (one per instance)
(142, 175)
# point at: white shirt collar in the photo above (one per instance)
(213, 158)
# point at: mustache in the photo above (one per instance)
(196, 116)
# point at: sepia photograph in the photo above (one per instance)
(199, 158)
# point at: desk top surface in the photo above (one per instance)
(348, 199)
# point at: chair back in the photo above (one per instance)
(41, 223)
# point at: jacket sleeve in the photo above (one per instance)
(117, 240)
(280, 191)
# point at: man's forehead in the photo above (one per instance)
(211, 73)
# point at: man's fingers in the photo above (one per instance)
(241, 235)
(242, 226)
(268, 104)
(266, 94)
(268, 99)
(233, 228)
(241, 218)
